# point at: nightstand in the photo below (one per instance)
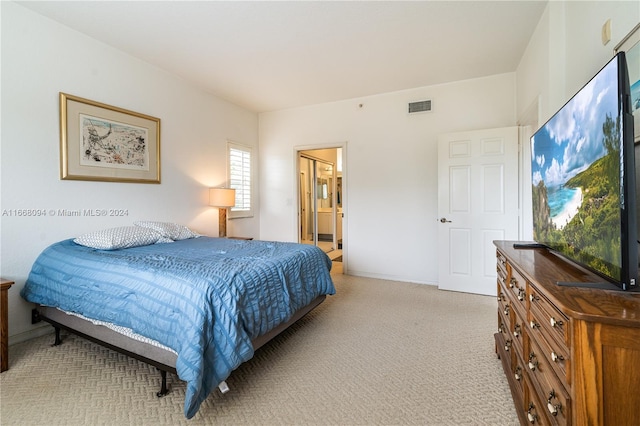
(5, 285)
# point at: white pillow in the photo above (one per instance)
(119, 238)
(169, 230)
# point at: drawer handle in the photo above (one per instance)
(533, 298)
(512, 282)
(501, 297)
(555, 323)
(521, 295)
(507, 345)
(555, 357)
(501, 328)
(553, 409)
(518, 373)
(533, 362)
(534, 325)
(506, 310)
(531, 413)
(516, 330)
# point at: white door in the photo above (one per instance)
(477, 203)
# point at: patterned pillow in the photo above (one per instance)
(169, 230)
(119, 238)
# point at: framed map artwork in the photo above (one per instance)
(105, 143)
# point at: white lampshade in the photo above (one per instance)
(222, 197)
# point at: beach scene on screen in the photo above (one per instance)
(576, 176)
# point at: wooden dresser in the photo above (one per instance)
(571, 355)
(5, 285)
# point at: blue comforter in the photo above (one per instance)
(206, 298)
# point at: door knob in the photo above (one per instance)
(444, 220)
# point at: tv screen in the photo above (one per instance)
(583, 178)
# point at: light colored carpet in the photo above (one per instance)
(378, 352)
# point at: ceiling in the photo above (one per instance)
(269, 55)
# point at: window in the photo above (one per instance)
(240, 179)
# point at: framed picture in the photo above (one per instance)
(631, 46)
(101, 142)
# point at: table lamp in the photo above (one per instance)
(222, 198)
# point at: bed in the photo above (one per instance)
(198, 307)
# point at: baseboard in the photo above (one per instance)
(42, 330)
(390, 278)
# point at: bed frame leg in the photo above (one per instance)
(223, 387)
(163, 387)
(58, 340)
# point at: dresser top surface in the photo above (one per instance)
(544, 268)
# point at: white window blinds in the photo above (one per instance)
(240, 179)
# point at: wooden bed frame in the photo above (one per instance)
(162, 359)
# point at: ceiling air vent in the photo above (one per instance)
(420, 106)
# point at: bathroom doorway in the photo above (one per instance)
(321, 197)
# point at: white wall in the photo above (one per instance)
(390, 174)
(41, 58)
(585, 53)
(566, 51)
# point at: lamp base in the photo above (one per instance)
(222, 222)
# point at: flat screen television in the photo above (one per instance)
(583, 180)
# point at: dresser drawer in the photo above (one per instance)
(504, 328)
(518, 370)
(504, 305)
(551, 392)
(501, 261)
(501, 270)
(555, 355)
(532, 407)
(552, 348)
(502, 294)
(518, 330)
(551, 319)
(517, 290)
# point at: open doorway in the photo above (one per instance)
(321, 201)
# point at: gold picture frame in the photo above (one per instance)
(630, 44)
(100, 142)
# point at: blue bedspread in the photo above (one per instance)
(206, 298)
